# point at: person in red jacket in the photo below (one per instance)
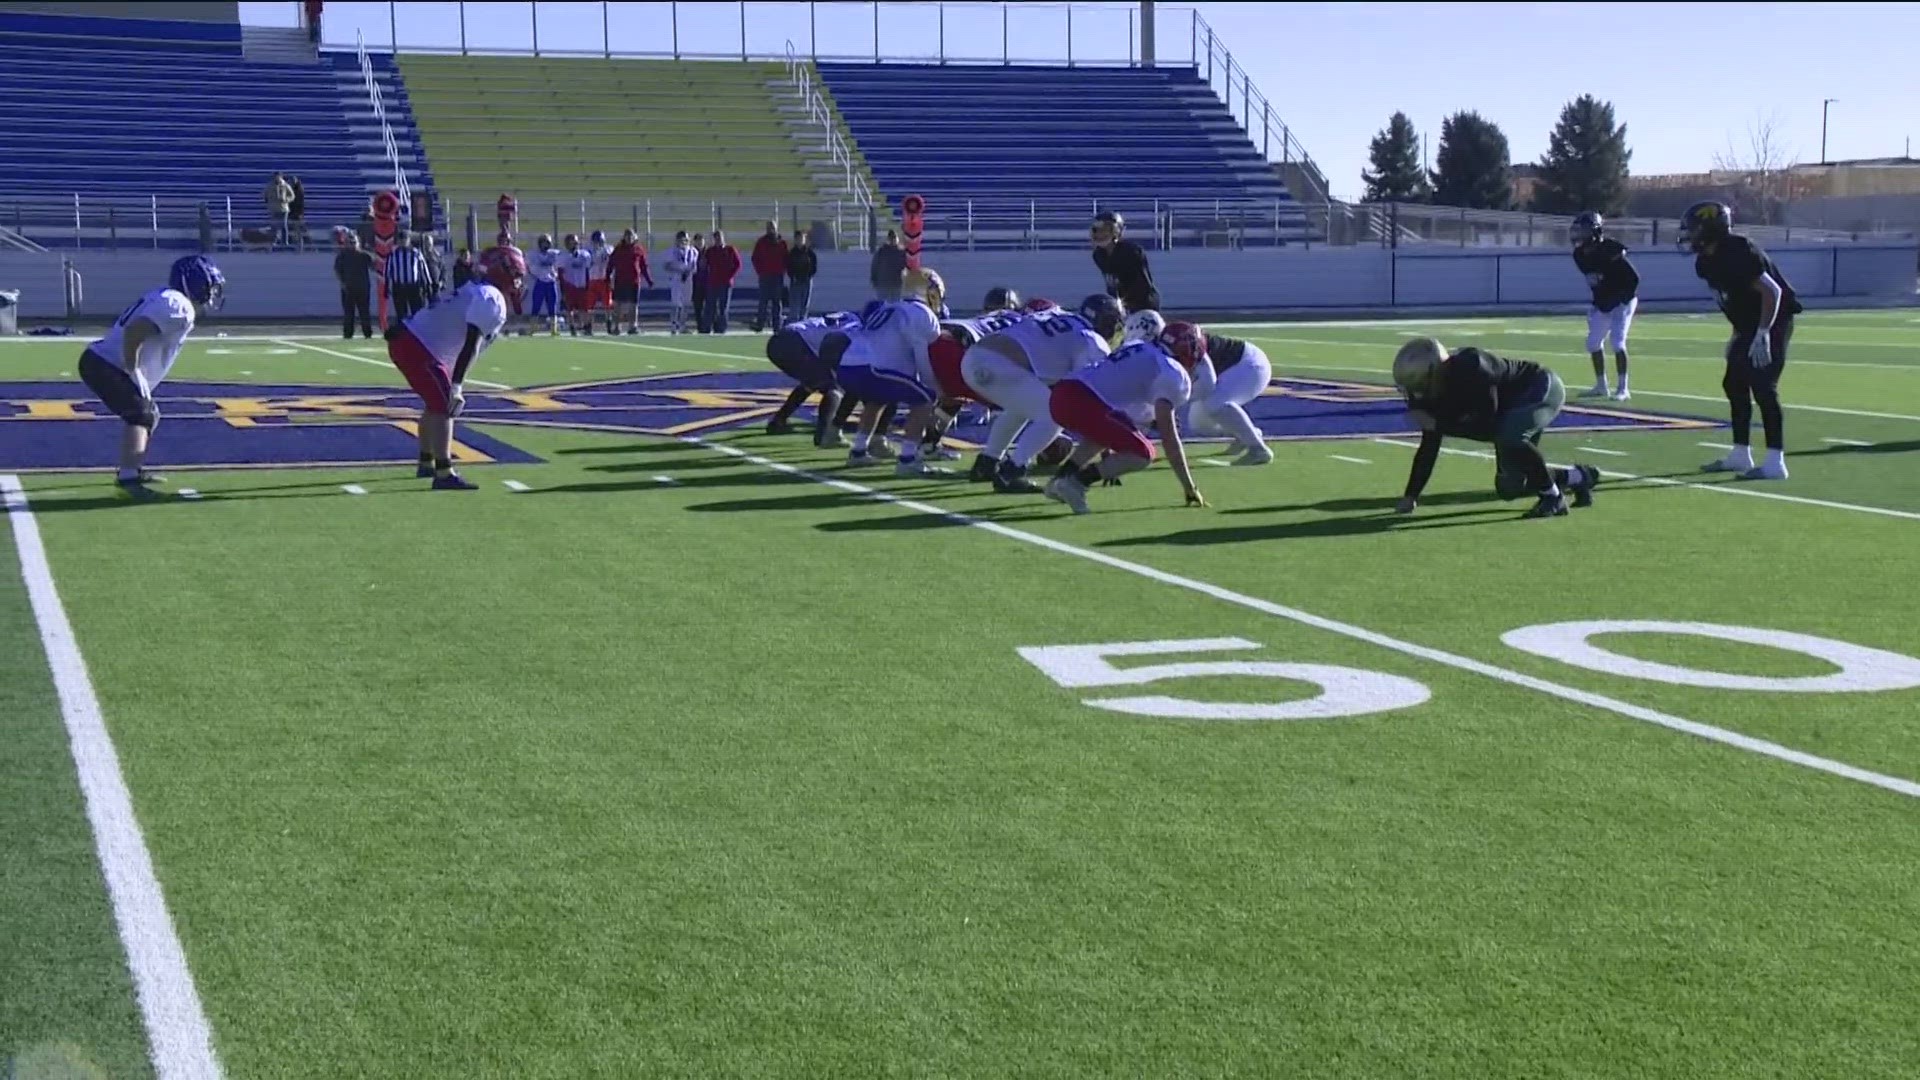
(723, 265)
(628, 269)
(770, 266)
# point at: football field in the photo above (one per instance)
(680, 749)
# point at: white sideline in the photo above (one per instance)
(178, 1034)
(1463, 663)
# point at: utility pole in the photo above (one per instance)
(1823, 128)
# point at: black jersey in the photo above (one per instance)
(1730, 271)
(1610, 274)
(1225, 351)
(1124, 265)
(1475, 387)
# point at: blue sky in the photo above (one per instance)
(1685, 78)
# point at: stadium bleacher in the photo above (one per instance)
(129, 119)
(1036, 149)
(622, 135)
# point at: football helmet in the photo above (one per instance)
(1107, 227)
(1585, 229)
(1104, 312)
(1416, 367)
(925, 285)
(598, 237)
(1143, 326)
(1041, 303)
(1705, 223)
(199, 279)
(1001, 298)
(545, 242)
(1185, 341)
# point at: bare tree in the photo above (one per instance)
(1761, 168)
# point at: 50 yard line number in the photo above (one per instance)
(1348, 692)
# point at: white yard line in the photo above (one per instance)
(1353, 460)
(1604, 453)
(1716, 445)
(1708, 356)
(514, 485)
(1723, 736)
(1847, 442)
(1728, 488)
(180, 1038)
(376, 363)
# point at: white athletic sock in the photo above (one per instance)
(1001, 432)
(1032, 441)
(1741, 456)
(860, 442)
(1238, 424)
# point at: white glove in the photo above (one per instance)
(1759, 352)
(458, 402)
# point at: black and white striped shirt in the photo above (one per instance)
(406, 266)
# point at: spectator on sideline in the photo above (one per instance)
(462, 267)
(509, 210)
(723, 265)
(629, 268)
(770, 266)
(353, 266)
(889, 267)
(407, 277)
(802, 264)
(436, 275)
(700, 320)
(278, 196)
(297, 212)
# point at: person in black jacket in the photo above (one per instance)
(1616, 295)
(353, 267)
(802, 264)
(1473, 394)
(1123, 264)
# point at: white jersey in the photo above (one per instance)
(172, 312)
(1057, 343)
(442, 325)
(895, 338)
(971, 331)
(681, 263)
(545, 265)
(814, 331)
(576, 265)
(1136, 377)
(601, 253)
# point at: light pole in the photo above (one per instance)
(1823, 128)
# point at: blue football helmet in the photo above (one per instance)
(196, 276)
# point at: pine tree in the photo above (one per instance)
(1472, 167)
(1585, 166)
(1396, 175)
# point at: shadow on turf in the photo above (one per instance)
(66, 500)
(1301, 530)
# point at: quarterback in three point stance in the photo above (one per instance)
(1616, 295)
(1760, 304)
(434, 350)
(1101, 404)
(124, 366)
(1473, 394)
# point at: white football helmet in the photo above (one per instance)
(1143, 326)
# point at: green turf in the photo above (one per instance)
(745, 776)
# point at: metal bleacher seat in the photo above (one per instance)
(1028, 154)
(127, 124)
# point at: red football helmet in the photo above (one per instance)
(1187, 343)
(1040, 303)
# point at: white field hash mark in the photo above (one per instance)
(178, 1034)
(514, 485)
(1627, 709)
(1351, 460)
(353, 489)
(1847, 442)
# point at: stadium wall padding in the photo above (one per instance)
(301, 286)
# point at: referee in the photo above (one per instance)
(407, 277)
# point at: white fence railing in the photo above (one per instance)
(800, 73)
(387, 141)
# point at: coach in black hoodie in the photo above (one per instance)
(802, 264)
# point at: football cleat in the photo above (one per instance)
(1549, 506)
(1622, 394)
(984, 468)
(1772, 470)
(917, 467)
(454, 482)
(423, 472)
(1735, 462)
(1069, 490)
(779, 427)
(1598, 389)
(1012, 480)
(1258, 455)
(1583, 491)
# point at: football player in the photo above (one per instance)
(999, 310)
(543, 266)
(1473, 394)
(576, 270)
(1230, 374)
(1760, 304)
(1616, 287)
(599, 284)
(1123, 264)
(1098, 404)
(434, 350)
(1017, 368)
(682, 261)
(888, 363)
(124, 366)
(809, 351)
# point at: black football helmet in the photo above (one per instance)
(1107, 226)
(1000, 298)
(1585, 229)
(1105, 313)
(1705, 223)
